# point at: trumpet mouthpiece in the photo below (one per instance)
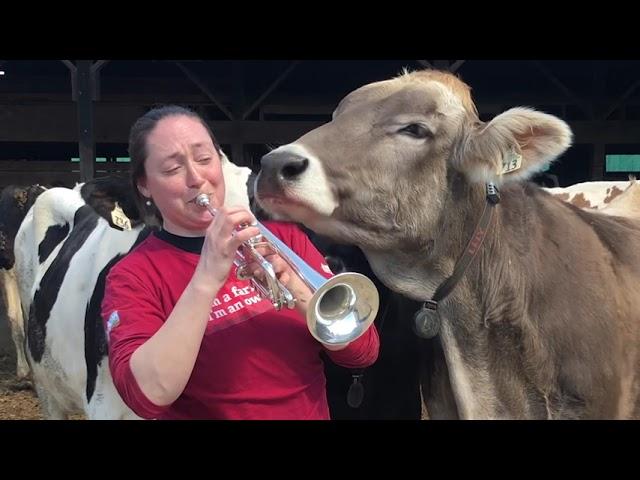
(202, 200)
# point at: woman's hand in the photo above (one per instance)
(289, 279)
(281, 268)
(284, 273)
(223, 238)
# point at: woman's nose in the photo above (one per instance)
(194, 177)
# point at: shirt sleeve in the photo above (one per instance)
(363, 351)
(131, 314)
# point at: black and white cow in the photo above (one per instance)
(64, 249)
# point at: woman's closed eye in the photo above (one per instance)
(171, 170)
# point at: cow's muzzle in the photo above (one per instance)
(280, 168)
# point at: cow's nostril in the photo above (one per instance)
(294, 168)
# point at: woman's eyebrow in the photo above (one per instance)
(178, 154)
(174, 156)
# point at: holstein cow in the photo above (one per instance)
(594, 195)
(627, 204)
(15, 202)
(65, 247)
(540, 317)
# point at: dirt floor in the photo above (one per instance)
(18, 400)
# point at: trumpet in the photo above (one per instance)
(341, 308)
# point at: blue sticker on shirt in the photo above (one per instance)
(113, 321)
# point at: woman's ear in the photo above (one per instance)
(142, 187)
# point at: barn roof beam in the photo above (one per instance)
(442, 64)
(95, 78)
(200, 84)
(85, 89)
(57, 123)
(85, 82)
(270, 89)
(621, 101)
(584, 106)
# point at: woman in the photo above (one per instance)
(187, 339)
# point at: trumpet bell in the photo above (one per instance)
(342, 308)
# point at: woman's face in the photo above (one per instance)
(181, 163)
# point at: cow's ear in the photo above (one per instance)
(21, 196)
(513, 146)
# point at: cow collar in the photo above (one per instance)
(427, 319)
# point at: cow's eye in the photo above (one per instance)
(416, 130)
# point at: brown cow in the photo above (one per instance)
(545, 320)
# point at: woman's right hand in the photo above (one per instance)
(223, 238)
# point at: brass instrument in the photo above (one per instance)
(341, 308)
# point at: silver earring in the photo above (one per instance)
(148, 203)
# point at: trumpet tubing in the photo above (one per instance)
(341, 308)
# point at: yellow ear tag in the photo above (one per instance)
(119, 218)
(511, 162)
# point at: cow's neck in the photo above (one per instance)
(477, 332)
(421, 265)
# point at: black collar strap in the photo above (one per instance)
(426, 319)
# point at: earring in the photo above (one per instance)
(148, 203)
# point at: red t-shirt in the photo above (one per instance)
(254, 362)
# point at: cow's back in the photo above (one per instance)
(583, 299)
(627, 204)
(36, 244)
(594, 195)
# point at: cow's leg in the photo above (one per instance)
(22, 367)
(110, 410)
(50, 407)
(9, 285)
(106, 403)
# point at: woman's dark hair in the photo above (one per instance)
(138, 148)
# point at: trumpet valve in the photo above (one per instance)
(242, 273)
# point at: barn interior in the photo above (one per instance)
(66, 121)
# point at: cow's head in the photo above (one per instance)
(106, 194)
(385, 165)
(15, 202)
